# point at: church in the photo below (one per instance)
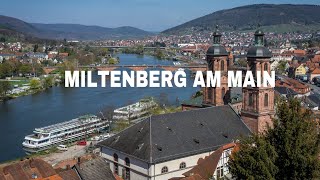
(170, 145)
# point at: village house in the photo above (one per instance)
(299, 87)
(314, 73)
(214, 166)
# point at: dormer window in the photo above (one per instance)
(164, 170)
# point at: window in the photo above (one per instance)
(222, 65)
(250, 99)
(220, 172)
(164, 170)
(266, 99)
(223, 93)
(115, 163)
(182, 165)
(265, 66)
(127, 171)
(210, 94)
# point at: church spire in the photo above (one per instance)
(259, 37)
(216, 36)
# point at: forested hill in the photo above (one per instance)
(279, 18)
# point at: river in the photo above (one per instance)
(19, 117)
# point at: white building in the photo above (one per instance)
(166, 146)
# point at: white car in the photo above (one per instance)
(62, 147)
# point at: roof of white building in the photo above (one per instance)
(176, 135)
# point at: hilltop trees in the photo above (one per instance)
(288, 151)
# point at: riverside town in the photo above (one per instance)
(160, 90)
(152, 79)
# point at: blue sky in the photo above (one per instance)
(151, 15)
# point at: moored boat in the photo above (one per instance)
(69, 131)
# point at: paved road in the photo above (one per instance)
(72, 152)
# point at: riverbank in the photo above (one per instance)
(19, 86)
(20, 116)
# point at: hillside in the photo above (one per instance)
(69, 31)
(82, 32)
(269, 16)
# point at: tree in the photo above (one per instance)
(35, 48)
(288, 150)
(296, 140)
(255, 159)
(159, 53)
(5, 86)
(34, 84)
(25, 69)
(48, 82)
(281, 68)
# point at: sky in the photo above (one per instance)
(150, 15)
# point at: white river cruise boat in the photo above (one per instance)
(69, 131)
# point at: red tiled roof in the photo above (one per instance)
(207, 166)
(25, 169)
(316, 71)
(69, 175)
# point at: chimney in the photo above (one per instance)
(68, 167)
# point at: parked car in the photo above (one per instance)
(62, 147)
(82, 143)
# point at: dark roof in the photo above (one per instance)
(95, 169)
(285, 91)
(171, 136)
(217, 50)
(259, 52)
(313, 100)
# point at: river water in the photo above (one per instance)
(19, 117)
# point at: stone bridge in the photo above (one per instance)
(48, 70)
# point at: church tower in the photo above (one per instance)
(258, 102)
(217, 61)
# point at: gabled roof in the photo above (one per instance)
(206, 167)
(176, 135)
(316, 71)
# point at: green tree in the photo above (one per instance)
(35, 84)
(5, 86)
(159, 53)
(296, 139)
(288, 150)
(255, 159)
(48, 82)
(25, 69)
(281, 68)
(6, 69)
(35, 48)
